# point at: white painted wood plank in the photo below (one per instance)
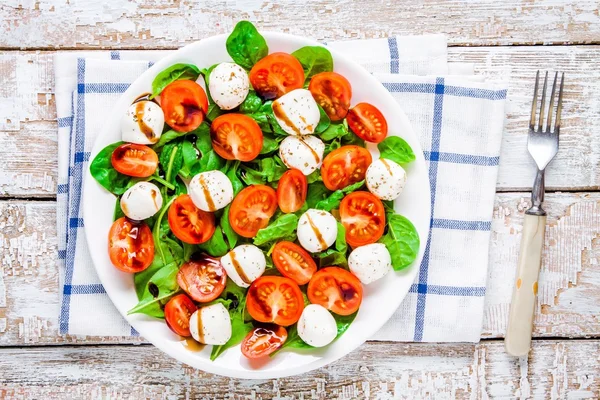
(152, 24)
(553, 370)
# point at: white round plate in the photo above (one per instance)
(380, 300)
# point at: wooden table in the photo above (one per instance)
(505, 39)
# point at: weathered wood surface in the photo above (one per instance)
(27, 111)
(161, 24)
(569, 300)
(384, 370)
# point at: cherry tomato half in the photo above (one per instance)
(134, 160)
(202, 279)
(276, 75)
(333, 92)
(294, 262)
(291, 191)
(367, 122)
(345, 166)
(236, 137)
(184, 104)
(251, 209)
(189, 223)
(275, 299)
(178, 312)
(262, 341)
(363, 216)
(130, 245)
(335, 289)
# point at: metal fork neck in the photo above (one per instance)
(537, 195)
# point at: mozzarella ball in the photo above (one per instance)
(317, 230)
(211, 324)
(210, 190)
(302, 152)
(297, 112)
(317, 326)
(370, 262)
(244, 264)
(228, 85)
(142, 123)
(141, 201)
(385, 179)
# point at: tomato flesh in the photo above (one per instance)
(184, 104)
(134, 160)
(251, 209)
(367, 122)
(332, 92)
(335, 289)
(293, 262)
(177, 314)
(345, 166)
(189, 223)
(363, 216)
(291, 191)
(275, 299)
(263, 340)
(203, 279)
(236, 137)
(130, 245)
(276, 75)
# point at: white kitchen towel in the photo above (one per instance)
(459, 120)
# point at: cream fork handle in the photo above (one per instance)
(522, 306)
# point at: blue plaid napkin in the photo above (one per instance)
(457, 116)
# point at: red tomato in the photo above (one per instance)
(251, 209)
(345, 166)
(363, 216)
(189, 223)
(276, 75)
(333, 92)
(236, 137)
(130, 245)
(335, 289)
(202, 279)
(263, 341)
(184, 104)
(294, 262)
(367, 122)
(134, 160)
(275, 299)
(291, 191)
(178, 312)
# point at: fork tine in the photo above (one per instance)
(534, 102)
(559, 106)
(551, 105)
(543, 107)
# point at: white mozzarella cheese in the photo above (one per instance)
(297, 112)
(317, 326)
(302, 152)
(142, 123)
(228, 85)
(370, 262)
(211, 324)
(244, 264)
(141, 201)
(210, 190)
(317, 230)
(385, 179)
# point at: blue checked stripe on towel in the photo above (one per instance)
(430, 103)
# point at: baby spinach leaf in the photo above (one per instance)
(293, 341)
(314, 176)
(340, 239)
(324, 121)
(401, 240)
(251, 104)
(171, 74)
(265, 170)
(232, 168)
(213, 112)
(396, 149)
(336, 255)
(118, 213)
(314, 59)
(168, 136)
(106, 175)
(171, 159)
(230, 234)
(343, 322)
(159, 289)
(351, 138)
(265, 118)
(270, 144)
(283, 228)
(334, 131)
(316, 192)
(331, 202)
(216, 245)
(245, 45)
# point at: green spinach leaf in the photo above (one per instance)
(245, 45)
(106, 175)
(396, 149)
(171, 74)
(314, 59)
(230, 234)
(216, 245)
(316, 192)
(159, 289)
(118, 212)
(401, 240)
(171, 159)
(270, 143)
(334, 131)
(335, 198)
(324, 121)
(283, 228)
(251, 104)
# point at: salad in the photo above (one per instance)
(248, 207)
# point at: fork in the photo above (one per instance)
(542, 145)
